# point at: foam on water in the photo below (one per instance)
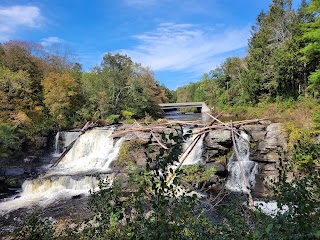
(92, 153)
(235, 181)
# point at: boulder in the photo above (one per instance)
(218, 136)
(219, 167)
(276, 136)
(268, 167)
(265, 157)
(40, 141)
(256, 131)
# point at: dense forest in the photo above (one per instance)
(43, 91)
(282, 63)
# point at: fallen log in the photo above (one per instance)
(86, 127)
(155, 137)
(186, 153)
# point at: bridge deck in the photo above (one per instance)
(201, 105)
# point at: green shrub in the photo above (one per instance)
(10, 140)
(127, 114)
(36, 228)
(316, 120)
(112, 119)
(149, 207)
(306, 152)
(299, 198)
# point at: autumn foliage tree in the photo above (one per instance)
(61, 95)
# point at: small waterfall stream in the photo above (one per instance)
(195, 155)
(92, 153)
(235, 180)
(63, 139)
(56, 145)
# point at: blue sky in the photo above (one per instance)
(179, 40)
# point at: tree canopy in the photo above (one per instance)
(282, 61)
(41, 91)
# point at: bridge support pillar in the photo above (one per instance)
(205, 108)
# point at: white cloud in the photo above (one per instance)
(51, 40)
(14, 17)
(186, 47)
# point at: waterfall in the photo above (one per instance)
(76, 174)
(69, 137)
(63, 138)
(56, 145)
(235, 180)
(196, 153)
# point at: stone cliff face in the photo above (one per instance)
(268, 148)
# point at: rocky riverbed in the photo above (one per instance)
(268, 150)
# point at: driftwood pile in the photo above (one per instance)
(201, 130)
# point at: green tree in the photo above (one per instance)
(273, 30)
(120, 85)
(144, 94)
(119, 70)
(95, 89)
(311, 51)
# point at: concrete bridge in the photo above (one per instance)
(201, 106)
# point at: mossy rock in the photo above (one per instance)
(129, 152)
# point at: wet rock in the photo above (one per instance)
(256, 131)
(4, 161)
(30, 159)
(218, 137)
(210, 154)
(263, 157)
(40, 141)
(276, 139)
(268, 167)
(3, 186)
(14, 171)
(263, 184)
(219, 167)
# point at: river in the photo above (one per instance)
(65, 187)
(177, 115)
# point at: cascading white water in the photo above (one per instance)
(65, 138)
(92, 153)
(69, 137)
(235, 181)
(196, 153)
(56, 145)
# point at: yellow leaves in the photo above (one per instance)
(59, 91)
(20, 118)
(14, 84)
(38, 108)
(15, 97)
